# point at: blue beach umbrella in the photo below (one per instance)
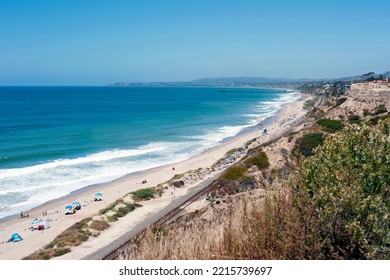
(75, 203)
(98, 194)
(36, 220)
(69, 207)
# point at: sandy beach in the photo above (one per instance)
(33, 240)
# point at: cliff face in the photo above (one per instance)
(363, 99)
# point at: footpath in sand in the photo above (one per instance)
(33, 240)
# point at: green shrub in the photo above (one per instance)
(353, 118)
(309, 104)
(308, 142)
(380, 109)
(373, 121)
(107, 209)
(347, 183)
(177, 176)
(260, 160)
(330, 125)
(112, 218)
(250, 141)
(230, 152)
(235, 173)
(340, 101)
(60, 252)
(385, 117)
(143, 194)
(366, 113)
(123, 211)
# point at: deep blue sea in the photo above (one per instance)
(54, 140)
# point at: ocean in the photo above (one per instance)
(55, 140)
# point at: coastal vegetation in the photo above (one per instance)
(354, 118)
(143, 194)
(308, 143)
(340, 101)
(235, 173)
(330, 125)
(335, 207)
(83, 230)
(309, 104)
(230, 152)
(380, 110)
(260, 160)
(72, 236)
(250, 142)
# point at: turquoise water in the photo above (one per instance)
(54, 140)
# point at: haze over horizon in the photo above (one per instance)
(97, 43)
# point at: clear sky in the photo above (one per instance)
(100, 42)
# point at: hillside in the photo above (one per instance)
(252, 81)
(324, 193)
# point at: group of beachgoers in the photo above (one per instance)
(44, 222)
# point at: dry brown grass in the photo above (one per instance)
(240, 229)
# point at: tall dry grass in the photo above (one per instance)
(248, 227)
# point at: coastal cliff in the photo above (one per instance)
(319, 192)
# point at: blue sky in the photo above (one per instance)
(101, 42)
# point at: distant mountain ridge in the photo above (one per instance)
(252, 81)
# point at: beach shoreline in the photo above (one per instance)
(117, 188)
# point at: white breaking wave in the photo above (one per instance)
(93, 158)
(25, 188)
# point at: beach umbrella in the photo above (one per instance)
(69, 207)
(76, 203)
(98, 194)
(36, 220)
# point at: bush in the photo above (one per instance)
(250, 142)
(143, 194)
(230, 152)
(347, 182)
(354, 119)
(260, 160)
(309, 104)
(380, 109)
(107, 209)
(235, 173)
(99, 225)
(373, 121)
(330, 125)
(366, 113)
(123, 211)
(340, 101)
(60, 252)
(112, 218)
(308, 142)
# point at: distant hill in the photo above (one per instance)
(245, 80)
(250, 81)
(370, 75)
